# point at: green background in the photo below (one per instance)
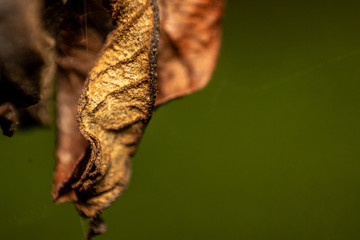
(269, 150)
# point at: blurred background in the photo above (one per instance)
(269, 150)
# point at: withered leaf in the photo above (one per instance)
(94, 149)
(189, 45)
(115, 106)
(119, 95)
(79, 41)
(24, 55)
(117, 103)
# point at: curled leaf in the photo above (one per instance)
(189, 45)
(114, 108)
(79, 42)
(92, 169)
(117, 103)
(113, 68)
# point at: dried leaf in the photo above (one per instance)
(24, 55)
(188, 47)
(79, 41)
(115, 106)
(119, 95)
(117, 103)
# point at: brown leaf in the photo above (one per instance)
(80, 39)
(117, 103)
(119, 94)
(93, 167)
(188, 47)
(115, 106)
(24, 55)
